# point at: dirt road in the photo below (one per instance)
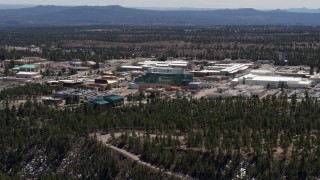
(104, 139)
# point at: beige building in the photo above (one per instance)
(28, 75)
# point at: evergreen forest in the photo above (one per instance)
(272, 138)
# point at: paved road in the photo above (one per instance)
(104, 139)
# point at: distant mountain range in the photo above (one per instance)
(300, 10)
(303, 10)
(117, 15)
(15, 6)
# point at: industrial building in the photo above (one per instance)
(166, 76)
(273, 81)
(131, 68)
(70, 83)
(100, 102)
(165, 64)
(302, 74)
(28, 75)
(144, 65)
(115, 100)
(109, 100)
(222, 69)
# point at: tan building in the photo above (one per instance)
(29, 75)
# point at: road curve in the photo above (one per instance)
(104, 139)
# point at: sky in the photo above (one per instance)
(259, 4)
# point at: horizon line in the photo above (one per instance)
(161, 7)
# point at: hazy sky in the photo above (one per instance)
(261, 4)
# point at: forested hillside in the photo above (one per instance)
(271, 138)
(34, 145)
(101, 43)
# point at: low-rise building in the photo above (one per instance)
(27, 68)
(115, 100)
(165, 64)
(222, 69)
(131, 68)
(168, 76)
(100, 103)
(28, 75)
(273, 81)
(70, 83)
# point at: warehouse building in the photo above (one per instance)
(131, 68)
(145, 65)
(165, 64)
(273, 81)
(222, 69)
(28, 75)
(115, 100)
(109, 100)
(100, 103)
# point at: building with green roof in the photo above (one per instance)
(170, 76)
(29, 67)
(110, 100)
(115, 100)
(26, 67)
(100, 103)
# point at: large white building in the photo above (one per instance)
(165, 64)
(160, 70)
(144, 65)
(28, 75)
(222, 69)
(131, 68)
(273, 81)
